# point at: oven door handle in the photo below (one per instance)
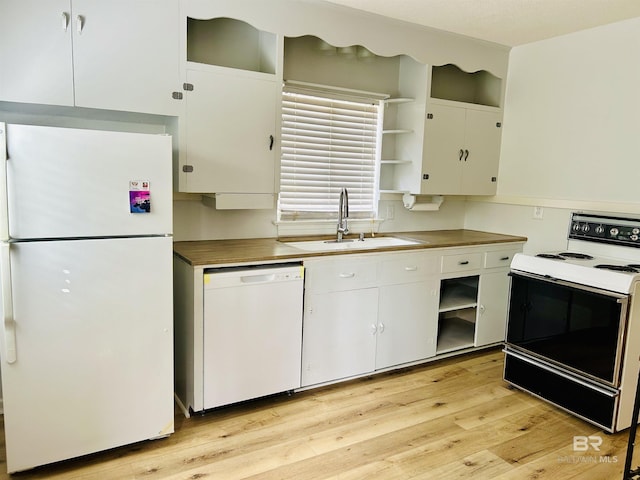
(621, 297)
(544, 366)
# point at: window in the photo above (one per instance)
(329, 141)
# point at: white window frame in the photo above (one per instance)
(323, 111)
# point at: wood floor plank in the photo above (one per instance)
(453, 418)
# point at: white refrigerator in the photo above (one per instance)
(86, 343)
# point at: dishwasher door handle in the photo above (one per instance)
(267, 277)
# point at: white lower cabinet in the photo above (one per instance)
(407, 326)
(371, 312)
(493, 295)
(340, 316)
(339, 335)
(474, 294)
(368, 313)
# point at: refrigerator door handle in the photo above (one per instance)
(8, 321)
(4, 197)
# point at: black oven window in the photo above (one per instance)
(575, 328)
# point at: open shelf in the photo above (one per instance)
(397, 100)
(457, 313)
(448, 82)
(393, 191)
(454, 333)
(397, 131)
(394, 162)
(226, 42)
(458, 293)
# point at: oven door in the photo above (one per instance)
(575, 327)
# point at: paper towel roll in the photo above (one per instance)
(412, 203)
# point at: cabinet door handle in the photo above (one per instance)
(271, 139)
(374, 329)
(381, 327)
(466, 155)
(65, 21)
(460, 155)
(347, 275)
(79, 23)
(464, 262)
(410, 269)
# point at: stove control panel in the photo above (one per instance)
(604, 229)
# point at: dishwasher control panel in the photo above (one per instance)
(229, 277)
(298, 275)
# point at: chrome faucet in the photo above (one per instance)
(343, 214)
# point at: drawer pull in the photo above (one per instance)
(411, 269)
(504, 259)
(347, 275)
(464, 262)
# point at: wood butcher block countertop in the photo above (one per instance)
(255, 250)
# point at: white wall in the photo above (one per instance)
(571, 138)
(193, 220)
(571, 119)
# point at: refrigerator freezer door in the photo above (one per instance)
(94, 348)
(70, 183)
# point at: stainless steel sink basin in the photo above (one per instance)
(366, 244)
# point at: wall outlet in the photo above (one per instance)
(538, 213)
(391, 212)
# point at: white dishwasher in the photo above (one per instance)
(252, 332)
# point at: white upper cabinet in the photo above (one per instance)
(230, 132)
(444, 132)
(126, 55)
(462, 133)
(117, 55)
(35, 52)
(461, 151)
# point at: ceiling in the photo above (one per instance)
(507, 22)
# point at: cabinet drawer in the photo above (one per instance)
(499, 258)
(338, 276)
(408, 267)
(461, 262)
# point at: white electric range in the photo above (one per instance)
(573, 335)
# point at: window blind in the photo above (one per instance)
(328, 142)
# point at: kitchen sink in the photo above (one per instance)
(366, 244)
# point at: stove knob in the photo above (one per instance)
(585, 228)
(635, 231)
(634, 238)
(575, 227)
(614, 232)
(599, 229)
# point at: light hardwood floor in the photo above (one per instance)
(449, 419)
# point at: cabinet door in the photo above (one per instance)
(339, 335)
(482, 140)
(126, 55)
(230, 132)
(442, 158)
(407, 323)
(35, 51)
(491, 320)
